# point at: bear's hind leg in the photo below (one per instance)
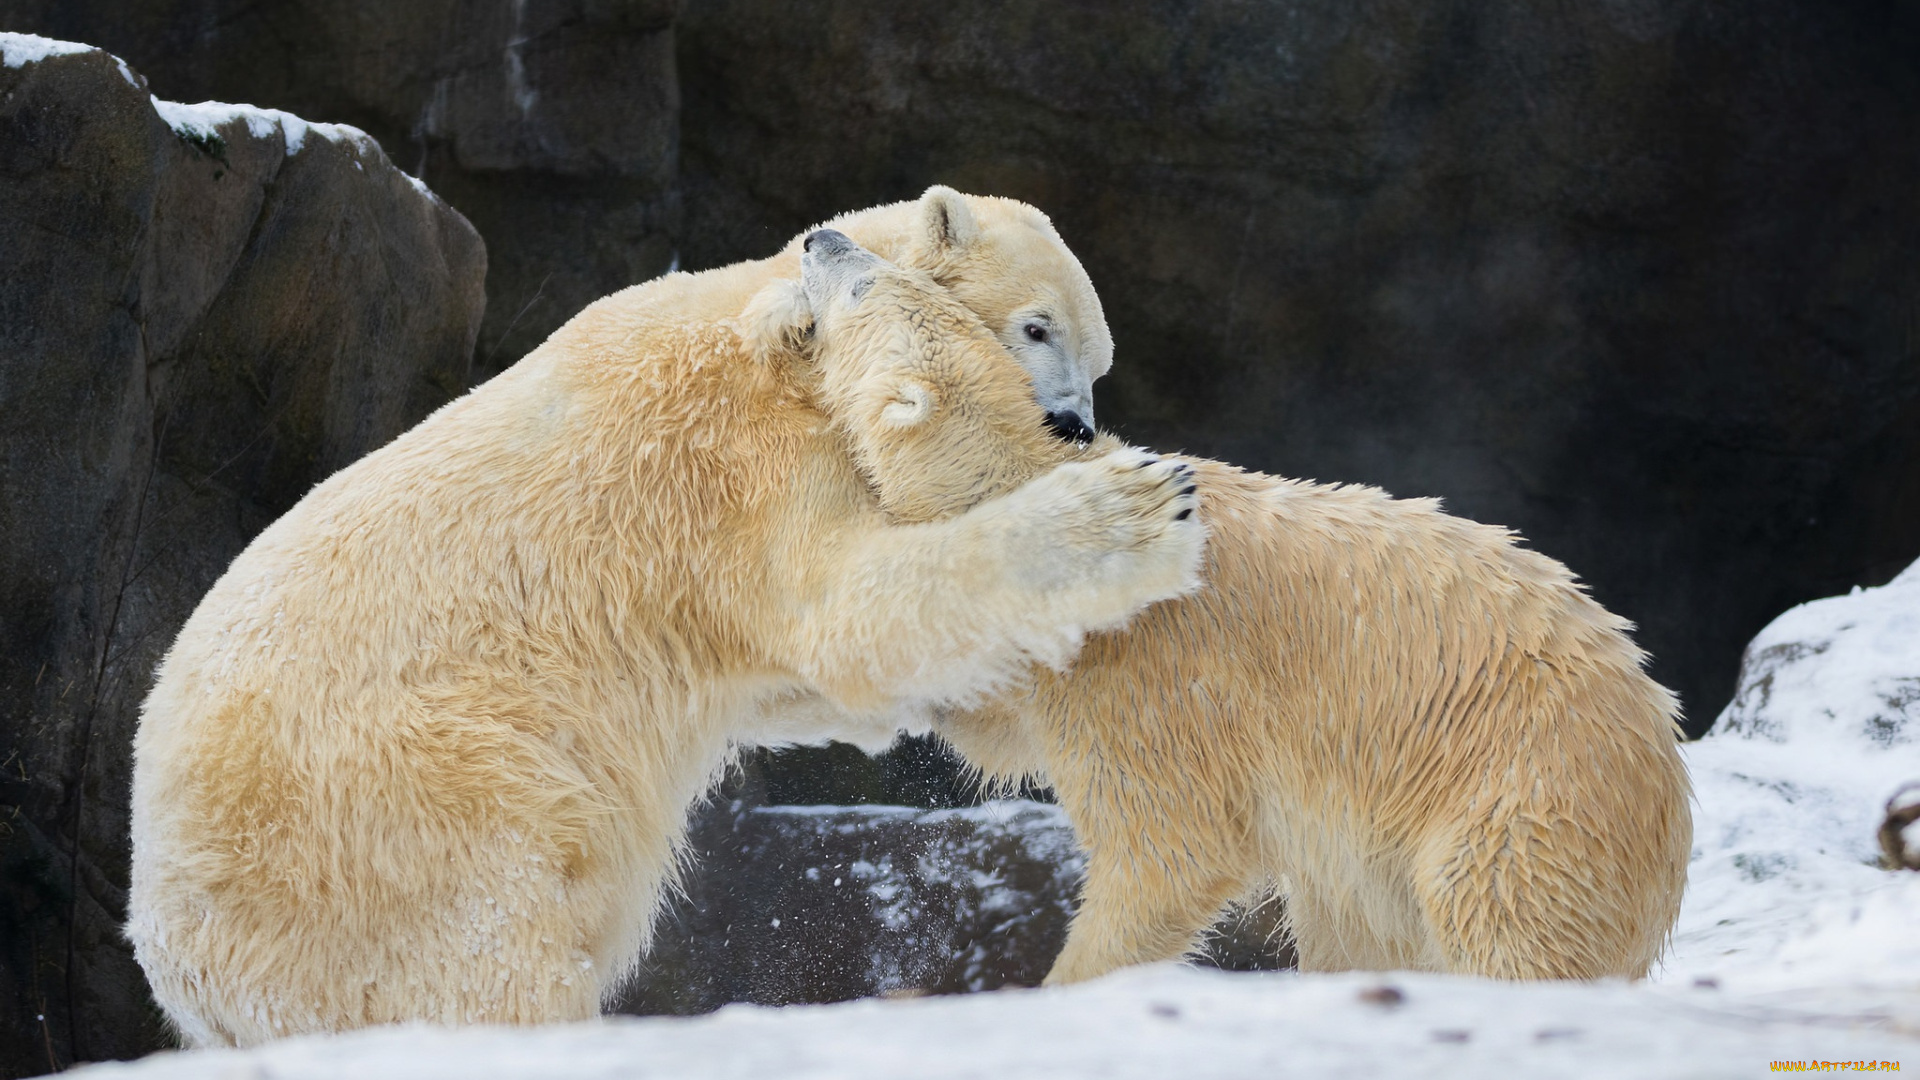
(1513, 896)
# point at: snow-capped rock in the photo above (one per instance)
(1792, 785)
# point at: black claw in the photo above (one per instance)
(1182, 515)
(1189, 489)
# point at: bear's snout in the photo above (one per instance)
(828, 243)
(1068, 425)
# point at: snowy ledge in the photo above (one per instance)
(198, 122)
(19, 50)
(201, 123)
(1792, 947)
(204, 121)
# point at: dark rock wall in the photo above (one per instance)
(551, 124)
(193, 332)
(1639, 278)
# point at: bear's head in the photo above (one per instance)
(1003, 260)
(939, 416)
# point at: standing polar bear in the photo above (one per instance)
(1441, 749)
(425, 750)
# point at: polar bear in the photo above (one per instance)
(1002, 260)
(1441, 750)
(424, 752)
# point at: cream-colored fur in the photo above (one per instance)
(1001, 259)
(1443, 752)
(1432, 741)
(425, 750)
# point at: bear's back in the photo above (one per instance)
(1348, 639)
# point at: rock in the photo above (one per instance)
(1792, 787)
(200, 319)
(1844, 670)
(1899, 837)
(551, 124)
(790, 904)
(1635, 278)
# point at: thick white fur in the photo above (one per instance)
(424, 752)
(1442, 751)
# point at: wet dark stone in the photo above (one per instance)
(194, 330)
(553, 125)
(791, 904)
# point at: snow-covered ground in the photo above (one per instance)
(1162, 1023)
(1792, 947)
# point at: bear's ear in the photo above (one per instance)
(777, 322)
(945, 226)
(908, 402)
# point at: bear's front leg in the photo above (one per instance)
(1168, 846)
(946, 611)
(1138, 913)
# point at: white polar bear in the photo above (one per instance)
(424, 752)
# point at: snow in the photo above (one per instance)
(19, 50)
(201, 120)
(420, 186)
(1792, 947)
(1156, 1023)
(208, 117)
(1792, 784)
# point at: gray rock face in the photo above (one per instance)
(788, 904)
(551, 124)
(1635, 277)
(196, 326)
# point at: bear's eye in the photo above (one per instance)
(1036, 332)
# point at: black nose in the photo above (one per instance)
(1067, 425)
(829, 241)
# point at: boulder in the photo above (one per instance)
(206, 310)
(1633, 277)
(551, 124)
(791, 904)
(1805, 793)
